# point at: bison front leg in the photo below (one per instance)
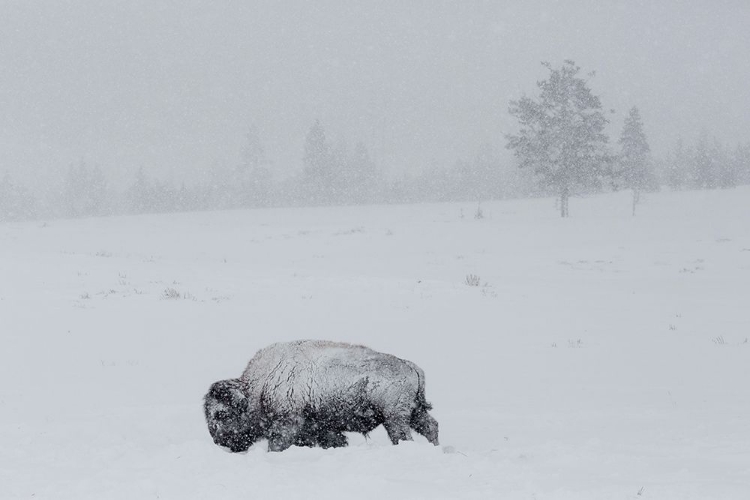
(397, 428)
(282, 434)
(332, 439)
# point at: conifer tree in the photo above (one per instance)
(741, 161)
(319, 166)
(705, 164)
(16, 203)
(254, 174)
(726, 170)
(677, 175)
(138, 196)
(85, 191)
(634, 161)
(366, 177)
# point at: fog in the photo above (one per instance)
(172, 86)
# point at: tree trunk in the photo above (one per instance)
(636, 199)
(564, 195)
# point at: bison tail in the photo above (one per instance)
(422, 403)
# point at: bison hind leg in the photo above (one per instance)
(424, 424)
(397, 429)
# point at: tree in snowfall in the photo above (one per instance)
(139, 197)
(319, 166)
(741, 163)
(254, 176)
(85, 191)
(634, 162)
(364, 177)
(675, 168)
(479, 178)
(16, 203)
(562, 133)
(705, 164)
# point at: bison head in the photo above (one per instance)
(228, 417)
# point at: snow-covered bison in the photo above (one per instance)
(309, 392)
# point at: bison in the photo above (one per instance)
(309, 392)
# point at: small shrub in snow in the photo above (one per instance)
(472, 280)
(719, 340)
(575, 344)
(171, 293)
(85, 296)
(354, 230)
(479, 214)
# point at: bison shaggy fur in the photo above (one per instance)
(309, 392)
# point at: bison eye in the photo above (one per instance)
(221, 415)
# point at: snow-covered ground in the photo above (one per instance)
(601, 356)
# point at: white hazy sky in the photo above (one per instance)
(172, 86)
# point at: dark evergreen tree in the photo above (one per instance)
(726, 169)
(677, 175)
(254, 173)
(487, 175)
(138, 198)
(85, 192)
(704, 165)
(319, 168)
(366, 179)
(479, 178)
(634, 161)
(98, 195)
(184, 201)
(562, 133)
(16, 203)
(341, 188)
(741, 160)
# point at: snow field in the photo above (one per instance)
(600, 356)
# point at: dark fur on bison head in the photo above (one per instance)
(309, 392)
(229, 421)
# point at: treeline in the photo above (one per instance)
(342, 175)
(706, 164)
(332, 174)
